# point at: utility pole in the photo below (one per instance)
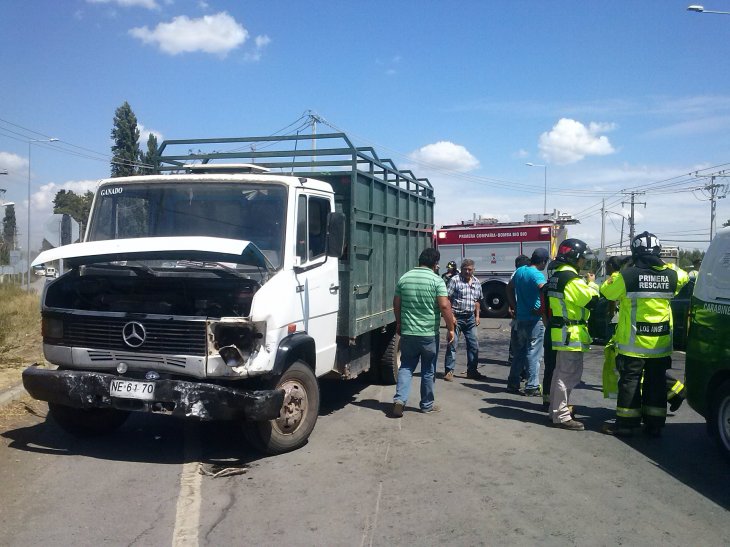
(603, 235)
(631, 217)
(714, 192)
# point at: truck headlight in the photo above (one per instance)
(52, 327)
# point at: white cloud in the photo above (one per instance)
(521, 154)
(445, 155)
(217, 34)
(570, 141)
(42, 207)
(12, 162)
(260, 43)
(144, 135)
(149, 4)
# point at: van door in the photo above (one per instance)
(317, 277)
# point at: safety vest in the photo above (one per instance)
(568, 294)
(645, 314)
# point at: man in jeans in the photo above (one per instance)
(465, 295)
(524, 296)
(420, 299)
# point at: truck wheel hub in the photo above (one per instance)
(294, 408)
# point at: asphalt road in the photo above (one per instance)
(487, 470)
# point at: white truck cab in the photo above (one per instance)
(222, 291)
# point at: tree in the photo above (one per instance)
(7, 243)
(687, 257)
(74, 205)
(150, 158)
(125, 136)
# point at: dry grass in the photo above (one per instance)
(20, 332)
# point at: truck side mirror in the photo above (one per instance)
(335, 234)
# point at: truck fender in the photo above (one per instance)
(295, 346)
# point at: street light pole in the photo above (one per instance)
(27, 250)
(701, 9)
(544, 166)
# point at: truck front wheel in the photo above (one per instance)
(87, 422)
(494, 301)
(297, 417)
(720, 421)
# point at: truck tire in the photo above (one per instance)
(87, 422)
(390, 361)
(720, 417)
(494, 301)
(298, 415)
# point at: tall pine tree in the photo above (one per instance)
(151, 158)
(7, 243)
(125, 136)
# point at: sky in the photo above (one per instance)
(601, 97)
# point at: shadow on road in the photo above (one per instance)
(143, 438)
(686, 452)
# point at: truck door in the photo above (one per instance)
(317, 278)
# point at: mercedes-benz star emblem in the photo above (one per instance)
(134, 334)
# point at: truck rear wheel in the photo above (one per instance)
(494, 301)
(87, 422)
(390, 361)
(720, 421)
(298, 414)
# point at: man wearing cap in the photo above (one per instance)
(524, 296)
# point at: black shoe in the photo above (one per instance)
(513, 389)
(675, 403)
(653, 431)
(475, 375)
(617, 431)
(532, 392)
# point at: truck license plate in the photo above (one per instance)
(127, 389)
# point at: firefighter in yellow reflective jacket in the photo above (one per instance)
(569, 298)
(643, 336)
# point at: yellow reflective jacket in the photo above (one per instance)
(568, 294)
(645, 315)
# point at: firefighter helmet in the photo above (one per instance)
(451, 265)
(646, 244)
(571, 251)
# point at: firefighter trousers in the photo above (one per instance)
(636, 402)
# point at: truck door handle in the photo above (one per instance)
(334, 288)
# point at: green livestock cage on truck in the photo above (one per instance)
(215, 290)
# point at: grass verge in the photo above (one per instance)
(20, 332)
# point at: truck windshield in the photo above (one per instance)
(254, 212)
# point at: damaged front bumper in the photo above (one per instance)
(82, 389)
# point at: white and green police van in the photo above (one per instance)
(708, 344)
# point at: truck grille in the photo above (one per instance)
(161, 336)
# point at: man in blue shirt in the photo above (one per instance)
(524, 296)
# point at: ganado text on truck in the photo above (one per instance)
(225, 291)
(494, 246)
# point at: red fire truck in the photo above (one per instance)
(493, 246)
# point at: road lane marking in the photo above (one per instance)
(187, 515)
